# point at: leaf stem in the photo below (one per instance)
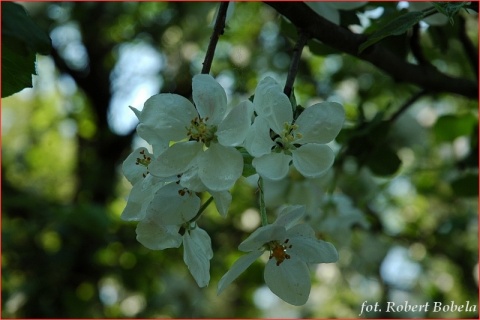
(297, 53)
(217, 31)
(263, 209)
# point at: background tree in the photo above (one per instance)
(406, 169)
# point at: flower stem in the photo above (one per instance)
(202, 208)
(263, 209)
(297, 53)
(217, 31)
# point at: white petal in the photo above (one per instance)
(271, 103)
(140, 197)
(156, 237)
(290, 280)
(273, 166)
(169, 206)
(311, 250)
(169, 114)
(191, 180)
(136, 111)
(134, 171)
(234, 128)
(262, 236)
(320, 123)
(237, 268)
(176, 159)
(203, 241)
(197, 254)
(209, 97)
(222, 199)
(302, 229)
(153, 137)
(312, 160)
(289, 216)
(258, 141)
(220, 167)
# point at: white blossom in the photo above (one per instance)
(204, 134)
(196, 244)
(301, 141)
(292, 247)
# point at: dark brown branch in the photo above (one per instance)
(416, 48)
(217, 31)
(346, 41)
(297, 53)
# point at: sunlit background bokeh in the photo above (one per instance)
(65, 250)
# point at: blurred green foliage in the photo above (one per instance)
(65, 251)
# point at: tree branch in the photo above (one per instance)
(297, 53)
(217, 31)
(346, 41)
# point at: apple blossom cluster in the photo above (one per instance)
(205, 147)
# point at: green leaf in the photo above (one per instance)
(18, 65)
(16, 23)
(21, 40)
(466, 186)
(397, 26)
(449, 127)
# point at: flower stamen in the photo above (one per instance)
(279, 251)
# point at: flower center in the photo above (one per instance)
(200, 131)
(279, 251)
(287, 138)
(143, 161)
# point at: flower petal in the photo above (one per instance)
(132, 169)
(290, 280)
(173, 204)
(302, 230)
(320, 123)
(153, 137)
(289, 216)
(176, 159)
(220, 167)
(271, 103)
(272, 166)
(262, 236)
(237, 268)
(312, 160)
(234, 128)
(140, 197)
(209, 97)
(311, 250)
(222, 199)
(169, 114)
(197, 254)
(156, 237)
(258, 141)
(191, 180)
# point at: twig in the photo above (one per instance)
(297, 53)
(217, 31)
(406, 105)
